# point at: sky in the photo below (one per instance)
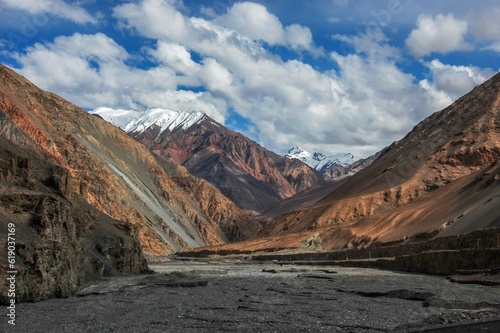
(334, 76)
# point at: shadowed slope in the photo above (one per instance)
(113, 172)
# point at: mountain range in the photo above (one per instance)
(331, 167)
(442, 178)
(319, 161)
(252, 176)
(87, 199)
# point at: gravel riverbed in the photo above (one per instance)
(239, 296)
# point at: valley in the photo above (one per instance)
(238, 237)
(218, 295)
(249, 166)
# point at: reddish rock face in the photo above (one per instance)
(105, 168)
(440, 179)
(251, 176)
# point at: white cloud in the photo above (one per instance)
(486, 24)
(68, 62)
(91, 71)
(373, 43)
(451, 82)
(176, 56)
(53, 7)
(364, 105)
(493, 47)
(208, 11)
(299, 37)
(254, 21)
(442, 34)
(150, 17)
(216, 77)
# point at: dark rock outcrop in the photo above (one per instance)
(58, 243)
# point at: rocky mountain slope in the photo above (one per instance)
(443, 178)
(248, 174)
(444, 152)
(58, 242)
(103, 167)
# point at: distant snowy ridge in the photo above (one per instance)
(319, 161)
(137, 122)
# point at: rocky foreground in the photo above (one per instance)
(238, 296)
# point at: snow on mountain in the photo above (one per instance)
(117, 117)
(137, 122)
(319, 161)
(165, 119)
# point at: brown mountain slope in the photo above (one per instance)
(58, 242)
(114, 173)
(442, 178)
(459, 141)
(248, 174)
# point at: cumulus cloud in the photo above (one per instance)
(69, 62)
(485, 24)
(365, 104)
(92, 71)
(254, 21)
(149, 17)
(454, 81)
(53, 7)
(442, 34)
(300, 37)
(176, 56)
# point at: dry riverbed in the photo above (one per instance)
(237, 296)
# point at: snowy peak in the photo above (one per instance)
(298, 153)
(319, 161)
(165, 119)
(137, 122)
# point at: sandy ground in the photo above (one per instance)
(235, 296)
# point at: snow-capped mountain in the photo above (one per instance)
(319, 161)
(136, 122)
(117, 117)
(248, 174)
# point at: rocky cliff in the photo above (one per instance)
(58, 242)
(78, 189)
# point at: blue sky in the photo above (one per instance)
(328, 75)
